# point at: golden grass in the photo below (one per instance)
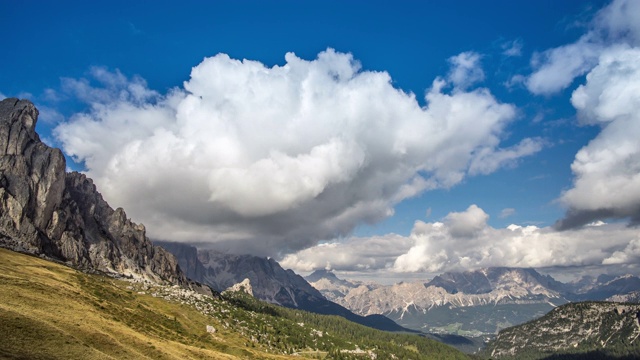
(49, 311)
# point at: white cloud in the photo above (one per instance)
(506, 212)
(488, 160)
(620, 21)
(464, 241)
(466, 224)
(556, 69)
(114, 87)
(353, 254)
(465, 70)
(2, 96)
(607, 170)
(268, 159)
(512, 48)
(436, 250)
(630, 254)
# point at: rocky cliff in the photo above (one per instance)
(46, 211)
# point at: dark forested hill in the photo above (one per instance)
(597, 330)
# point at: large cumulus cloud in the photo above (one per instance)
(607, 170)
(273, 159)
(464, 241)
(555, 69)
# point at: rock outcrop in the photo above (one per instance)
(244, 286)
(46, 211)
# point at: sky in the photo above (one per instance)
(377, 139)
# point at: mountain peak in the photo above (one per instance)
(321, 274)
(485, 280)
(46, 211)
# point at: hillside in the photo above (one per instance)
(269, 282)
(587, 330)
(51, 311)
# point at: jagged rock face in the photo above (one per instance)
(46, 211)
(269, 280)
(187, 257)
(32, 179)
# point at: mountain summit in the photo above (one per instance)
(49, 212)
(468, 303)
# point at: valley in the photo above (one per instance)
(82, 280)
(474, 303)
(71, 314)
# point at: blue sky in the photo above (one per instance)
(79, 61)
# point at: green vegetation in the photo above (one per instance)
(50, 311)
(339, 338)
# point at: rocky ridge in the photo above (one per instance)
(470, 303)
(48, 212)
(595, 329)
(496, 286)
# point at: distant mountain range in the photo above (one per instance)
(268, 280)
(469, 303)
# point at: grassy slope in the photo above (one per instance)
(49, 311)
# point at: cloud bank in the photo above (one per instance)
(607, 170)
(274, 159)
(464, 241)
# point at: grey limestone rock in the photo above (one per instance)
(46, 211)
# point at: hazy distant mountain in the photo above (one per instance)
(603, 287)
(269, 282)
(632, 297)
(467, 303)
(487, 280)
(589, 330)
